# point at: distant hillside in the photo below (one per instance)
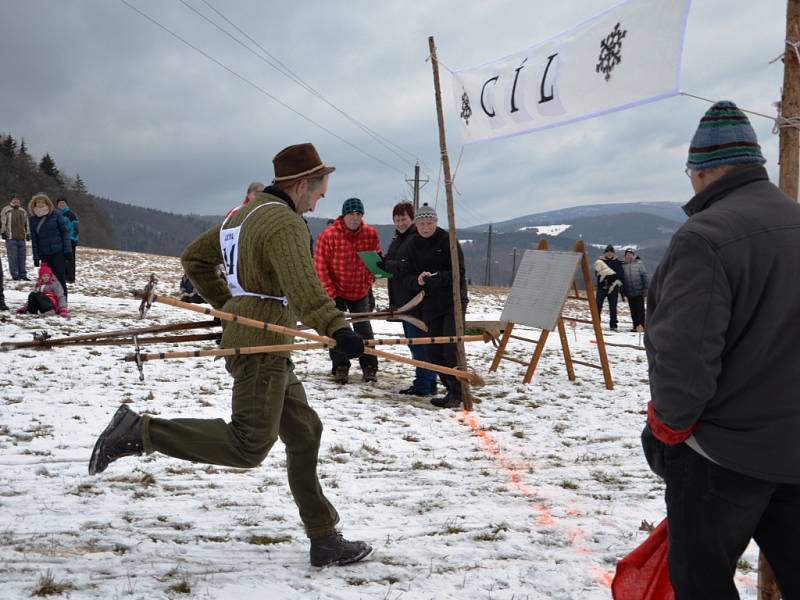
(106, 223)
(666, 210)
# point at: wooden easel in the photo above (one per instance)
(562, 334)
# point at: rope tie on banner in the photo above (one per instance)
(794, 46)
(782, 122)
(439, 60)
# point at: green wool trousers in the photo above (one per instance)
(268, 402)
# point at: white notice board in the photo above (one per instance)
(540, 288)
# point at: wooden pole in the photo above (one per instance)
(790, 104)
(788, 182)
(487, 273)
(416, 187)
(458, 313)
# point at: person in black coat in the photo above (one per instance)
(396, 262)
(430, 269)
(611, 292)
(50, 239)
(721, 341)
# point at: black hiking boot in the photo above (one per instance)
(333, 549)
(340, 374)
(412, 391)
(3, 302)
(122, 437)
(447, 401)
(370, 373)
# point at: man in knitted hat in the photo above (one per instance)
(270, 277)
(723, 421)
(346, 278)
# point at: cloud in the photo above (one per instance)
(147, 120)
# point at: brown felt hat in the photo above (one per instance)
(300, 161)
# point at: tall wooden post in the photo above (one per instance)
(513, 266)
(790, 104)
(788, 182)
(451, 220)
(416, 186)
(487, 273)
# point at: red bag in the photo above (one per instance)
(643, 574)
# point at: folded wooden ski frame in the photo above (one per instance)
(568, 360)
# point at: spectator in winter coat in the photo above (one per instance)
(14, 229)
(346, 278)
(74, 234)
(49, 237)
(396, 263)
(721, 340)
(47, 297)
(188, 293)
(636, 282)
(429, 268)
(612, 293)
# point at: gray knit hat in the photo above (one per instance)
(724, 137)
(426, 213)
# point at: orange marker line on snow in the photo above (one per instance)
(575, 535)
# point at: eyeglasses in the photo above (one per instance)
(688, 172)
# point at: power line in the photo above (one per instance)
(287, 72)
(259, 88)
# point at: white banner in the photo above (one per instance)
(628, 55)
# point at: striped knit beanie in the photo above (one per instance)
(352, 205)
(426, 213)
(724, 137)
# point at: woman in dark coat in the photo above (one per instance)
(396, 263)
(50, 238)
(429, 268)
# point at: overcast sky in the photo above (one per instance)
(147, 120)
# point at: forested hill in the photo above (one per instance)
(104, 223)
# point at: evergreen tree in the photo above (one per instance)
(9, 146)
(48, 166)
(23, 149)
(79, 186)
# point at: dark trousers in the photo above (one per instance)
(363, 328)
(69, 264)
(58, 263)
(444, 354)
(636, 304)
(268, 403)
(15, 249)
(425, 379)
(600, 296)
(38, 303)
(713, 513)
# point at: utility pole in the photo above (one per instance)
(458, 313)
(513, 266)
(788, 182)
(487, 273)
(416, 187)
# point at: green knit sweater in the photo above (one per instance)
(274, 258)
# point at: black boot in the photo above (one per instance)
(447, 401)
(333, 549)
(3, 301)
(122, 437)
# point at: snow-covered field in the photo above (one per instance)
(536, 494)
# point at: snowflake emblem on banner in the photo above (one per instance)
(610, 52)
(466, 109)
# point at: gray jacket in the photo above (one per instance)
(721, 338)
(635, 278)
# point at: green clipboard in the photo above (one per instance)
(371, 259)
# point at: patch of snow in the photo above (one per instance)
(535, 494)
(551, 230)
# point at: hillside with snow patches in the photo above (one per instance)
(535, 494)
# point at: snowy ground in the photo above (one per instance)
(536, 494)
